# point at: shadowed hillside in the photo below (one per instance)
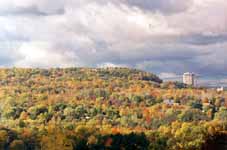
(216, 142)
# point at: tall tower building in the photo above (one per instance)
(189, 78)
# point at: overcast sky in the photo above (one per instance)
(167, 37)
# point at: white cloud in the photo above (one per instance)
(41, 54)
(168, 75)
(160, 36)
(107, 64)
(206, 17)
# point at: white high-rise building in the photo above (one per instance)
(189, 78)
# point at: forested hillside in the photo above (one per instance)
(105, 109)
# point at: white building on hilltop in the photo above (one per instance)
(221, 89)
(189, 78)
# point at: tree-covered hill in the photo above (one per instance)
(78, 74)
(105, 108)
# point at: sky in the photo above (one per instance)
(166, 37)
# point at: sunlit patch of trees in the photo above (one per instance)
(111, 108)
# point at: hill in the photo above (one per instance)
(79, 74)
(105, 108)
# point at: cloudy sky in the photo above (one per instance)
(167, 37)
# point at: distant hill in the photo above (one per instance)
(80, 74)
(127, 73)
